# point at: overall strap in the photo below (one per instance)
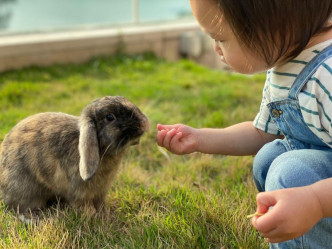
(308, 71)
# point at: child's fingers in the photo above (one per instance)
(166, 127)
(167, 140)
(161, 127)
(175, 140)
(264, 201)
(160, 137)
(272, 236)
(267, 222)
(264, 224)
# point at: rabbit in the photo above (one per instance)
(55, 155)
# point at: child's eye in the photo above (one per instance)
(219, 42)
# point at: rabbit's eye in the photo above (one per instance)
(110, 117)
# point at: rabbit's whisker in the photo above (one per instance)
(119, 144)
(101, 159)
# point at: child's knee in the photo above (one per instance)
(264, 159)
(291, 169)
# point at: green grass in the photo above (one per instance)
(158, 200)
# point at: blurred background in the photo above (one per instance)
(46, 15)
(44, 32)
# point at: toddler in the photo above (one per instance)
(291, 136)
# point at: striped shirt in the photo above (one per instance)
(315, 98)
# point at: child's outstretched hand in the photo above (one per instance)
(179, 139)
(295, 211)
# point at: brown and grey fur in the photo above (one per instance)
(56, 155)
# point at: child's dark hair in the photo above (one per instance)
(276, 29)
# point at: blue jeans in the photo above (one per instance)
(277, 166)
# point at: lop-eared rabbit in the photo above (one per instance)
(55, 155)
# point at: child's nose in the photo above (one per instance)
(217, 49)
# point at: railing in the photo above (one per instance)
(136, 11)
(13, 14)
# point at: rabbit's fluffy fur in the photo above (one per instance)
(56, 155)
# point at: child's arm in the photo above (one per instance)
(295, 210)
(239, 139)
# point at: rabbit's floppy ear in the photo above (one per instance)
(88, 148)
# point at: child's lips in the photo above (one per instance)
(222, 58)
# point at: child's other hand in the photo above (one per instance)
(295, 211)
(179, 139)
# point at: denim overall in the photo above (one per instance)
(300, 159)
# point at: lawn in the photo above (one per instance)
(158, 200)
